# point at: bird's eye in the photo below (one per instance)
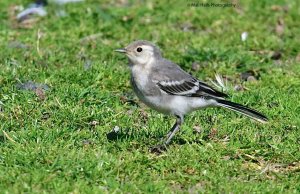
(139, 49)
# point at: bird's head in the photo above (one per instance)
(141, 52)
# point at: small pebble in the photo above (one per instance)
(17, 45)
(116, 129)
(197, 129)
(94, 123)
(30, 85)
(195, 66)
(251, 79)
(238, 88)
(244, 36)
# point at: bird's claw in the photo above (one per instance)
(158, 149)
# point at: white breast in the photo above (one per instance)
(140, 75)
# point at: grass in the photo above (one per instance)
(59, 140)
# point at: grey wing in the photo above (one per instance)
(174, 81)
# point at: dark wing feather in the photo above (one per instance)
(183, 87)
(189, 87)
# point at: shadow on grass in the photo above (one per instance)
(124, 135)
(128, 134)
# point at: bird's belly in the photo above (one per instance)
(175, 105)
(157, 103)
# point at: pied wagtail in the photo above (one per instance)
(166, 88)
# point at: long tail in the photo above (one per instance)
(243, 110)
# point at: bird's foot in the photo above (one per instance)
(158, 149)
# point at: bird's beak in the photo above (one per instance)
(122, 50)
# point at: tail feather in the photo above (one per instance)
(243, 110)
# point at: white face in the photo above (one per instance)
(141, 55)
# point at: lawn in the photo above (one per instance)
(60, 137)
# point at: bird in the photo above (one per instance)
(165, 87)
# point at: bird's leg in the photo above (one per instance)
(174, 129)
(162, 147)
(170, 131)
